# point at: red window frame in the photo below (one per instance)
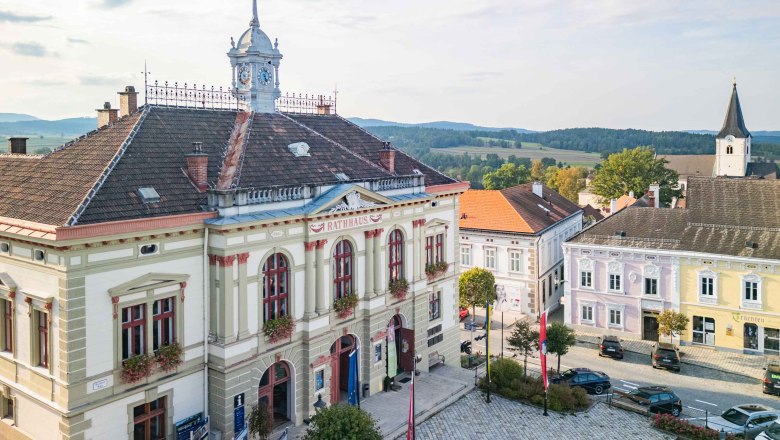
(396, 264)
(145, 418)
(439, 248)
(131, 324)
(43, 338)
(8, 325)
(163, 322)
(429, 256)
(276, 287)
(342, 269)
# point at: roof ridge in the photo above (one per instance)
(338, 144)
(74, 218)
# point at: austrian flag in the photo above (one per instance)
(543, 348)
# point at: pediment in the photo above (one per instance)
(148, 281)
(347, 198)
(7, 283)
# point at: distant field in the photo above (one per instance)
(37, 143)
(529, 150)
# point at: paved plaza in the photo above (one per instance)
(472, 418)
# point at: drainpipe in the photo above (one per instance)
(206, 321)
(539, 293)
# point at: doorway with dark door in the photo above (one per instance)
(650, 326)
(274, 391)
(339, 363)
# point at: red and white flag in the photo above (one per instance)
(410, 427)
(543, 348)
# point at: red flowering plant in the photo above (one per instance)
(279, 328)
(683, 428)
(169, 356)
(345, 305)
(436, 269)
(399, 288)
(136, 368)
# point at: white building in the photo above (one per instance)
(517, 233)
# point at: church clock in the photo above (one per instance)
(264, 76)
(244, 76)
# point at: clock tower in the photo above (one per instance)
(255, 63)
(732, 145)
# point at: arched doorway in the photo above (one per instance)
(339, 363)
(400, 347)
(275, 391)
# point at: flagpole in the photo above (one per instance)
(487, 345)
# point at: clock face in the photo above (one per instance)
(729, 138)
(264, 76)
(243, 75)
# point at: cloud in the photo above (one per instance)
(78, 41)
(10, 17)
(30, 49)
(114, 3)
(481, 76)
(102, 80)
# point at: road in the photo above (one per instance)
(700, 389)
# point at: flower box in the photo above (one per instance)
(169, 357)
(345, 306)
(279, 328)
(136, 368)
(436, 269)
(399, 288)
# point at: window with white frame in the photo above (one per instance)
(650, 281)
(615, 276)
(651, 286)
(751, 291)
(708, 287)
(490, 258)
(615, 316)
(465, 255)
(587, 313)
(586, 279)
(514, 260)
(7, 326)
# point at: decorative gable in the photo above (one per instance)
(346, 198)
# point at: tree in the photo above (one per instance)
(476, 286)
(261, 422)
(559, 339)
(635, 170)
(347, 422)
(537, 170)
(671, 323)
(523, 340)
(569, 182)
(508, 175)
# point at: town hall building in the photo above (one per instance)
(213, 249)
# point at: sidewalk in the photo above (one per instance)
(434, 391)
(509, 318)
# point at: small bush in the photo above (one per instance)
(669, 423)
(564, 398)
(504, 371)
(537, 400)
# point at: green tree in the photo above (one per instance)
(508, 175)
(559, 339)
(343, 422)
(261, 422)
(635, 170)
(523, 340)
(671, 323)
(476, 286)
(537, 170)
(569, 182)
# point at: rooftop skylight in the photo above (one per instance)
(149, 195)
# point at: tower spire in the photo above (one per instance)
(255, 21)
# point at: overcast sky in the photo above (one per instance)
(536, 64)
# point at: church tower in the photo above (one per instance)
(255, 63)
(732, 145)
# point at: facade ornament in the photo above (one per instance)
(352, 202)
(115, 302)
(232, 43)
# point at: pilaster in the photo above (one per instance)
(416, 254)
(310, 300)
(226, 284)
(322, 291)
(369, 261)
(243, 303)
(378, 287)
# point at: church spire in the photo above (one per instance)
(734, 124)
(255, 21)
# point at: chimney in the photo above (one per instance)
(537, 188)
(17, 145)
(128, 101)
(612, 206)
(323, 107)
(387, 158)
(197, 166)
(655, 195)
(106, 115)
(631, 194)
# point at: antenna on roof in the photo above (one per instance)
(146, 75)
(335, 96)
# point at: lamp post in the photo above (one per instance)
(411, 430)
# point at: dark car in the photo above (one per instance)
(665, 355)
(658, 399)
(610, 346)
(594, 382)
(772, 379)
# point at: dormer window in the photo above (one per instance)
(299, 149)
(149, 195)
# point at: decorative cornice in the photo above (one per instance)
(243, 258)
(309, 245)
(322, 360)
(321, 244)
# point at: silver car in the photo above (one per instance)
(748, 419)
(772, 433)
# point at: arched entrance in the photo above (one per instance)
(339, 363)
(400, 347)
(276, 391)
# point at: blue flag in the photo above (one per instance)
(352, 387)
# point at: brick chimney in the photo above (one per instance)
(323, 107)
(387, 158)
(17, 145)
(612, 206)
(106, 115)
(197, 166)
(654, 196)
(128, 101)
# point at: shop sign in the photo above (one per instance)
(344, 223)
(191, 427)
(739, 317)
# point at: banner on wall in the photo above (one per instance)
(352, 386)
(392, 360)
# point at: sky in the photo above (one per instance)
(535, 64)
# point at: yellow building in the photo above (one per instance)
(732, 302)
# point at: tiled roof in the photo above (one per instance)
(514, 209)
(722, 215)
(590, 211)
(50, 189)
(763, 170)
(686, 165)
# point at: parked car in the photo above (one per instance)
(594, 382)
(463, 313)
(610, 346)
(658, 399)
(771, 433)
(665, 355)
(749, 419)
(772, 379)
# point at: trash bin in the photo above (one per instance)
(366, 388)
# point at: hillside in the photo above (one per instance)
(15, 117)
(444, 125)
(65, 127)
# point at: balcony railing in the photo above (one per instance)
(192, 96)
